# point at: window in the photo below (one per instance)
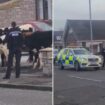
(37, 9)
(66, 51)
(81, 52)
(45, 9)
(71, 53)
(58, 37)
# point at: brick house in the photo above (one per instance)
(23, 11)
(77, 32)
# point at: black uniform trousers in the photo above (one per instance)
(17, 54)
(103, 62)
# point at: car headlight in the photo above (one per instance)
(84, 60)
(100, 60)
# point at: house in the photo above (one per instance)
(23, 11)
(77, 32)
(43, 9)
(58, 35)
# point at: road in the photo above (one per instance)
(79, 88)
(24, 97)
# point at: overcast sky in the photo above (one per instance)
(76, 9)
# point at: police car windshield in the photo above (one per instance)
(81, 52)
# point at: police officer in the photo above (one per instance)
(14, 44)
(103, 55)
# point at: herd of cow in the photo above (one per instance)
(32, 43)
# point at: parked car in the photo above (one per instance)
(78, 58)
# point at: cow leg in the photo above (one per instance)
(40, 61)
(36, 60)
(35, 64)
(3, 60)
(30, 56)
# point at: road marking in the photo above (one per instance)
(94, 80)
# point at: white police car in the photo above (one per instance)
(78, 58)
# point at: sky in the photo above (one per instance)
(76, 9)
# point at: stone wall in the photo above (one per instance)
(23, 12)
(47, 61)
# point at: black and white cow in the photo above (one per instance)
(32, 41)
(38, 40)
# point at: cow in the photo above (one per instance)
(4, 53)
(38, 40)
(32, 41)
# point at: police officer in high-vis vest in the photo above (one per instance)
(14, 44)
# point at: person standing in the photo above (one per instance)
(103, 55)
(14, 44)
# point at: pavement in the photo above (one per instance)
(29, 79)
(85, 87)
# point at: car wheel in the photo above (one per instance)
(77, 66)
(61, 66)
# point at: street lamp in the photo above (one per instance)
(91, 28)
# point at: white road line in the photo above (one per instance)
(94, 80)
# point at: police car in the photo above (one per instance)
(78, 58)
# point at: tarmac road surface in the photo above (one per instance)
(79, 88)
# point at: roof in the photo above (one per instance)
(80, 30)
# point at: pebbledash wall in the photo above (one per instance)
(22, 11)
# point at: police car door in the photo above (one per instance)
(65, 57)
(70, 58)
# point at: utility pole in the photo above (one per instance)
(91, 28)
